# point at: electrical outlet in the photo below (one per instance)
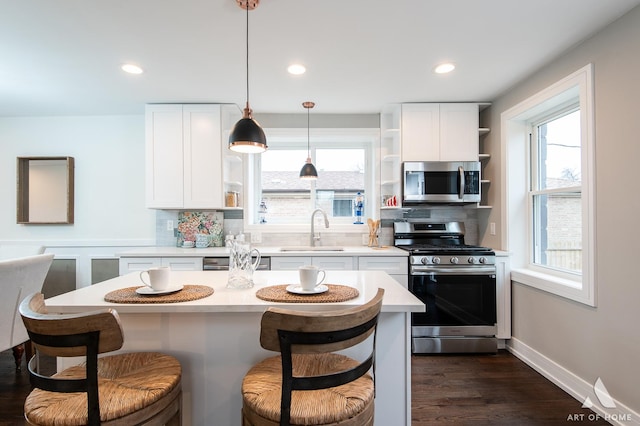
(492, 228)
(256, 237)
(169, 225)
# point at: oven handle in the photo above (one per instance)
(478, 270)
(462, 183)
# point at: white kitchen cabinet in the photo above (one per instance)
(131, 264)
(440, 132)
(396, 266)
(345, 263)
(186, 155)
(503, 294)
(288, 263)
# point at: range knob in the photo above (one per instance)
(454, 260)
(471, 260)
(435, 260)
(482, 260)
(424, 260)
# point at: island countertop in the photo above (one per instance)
(396, 298)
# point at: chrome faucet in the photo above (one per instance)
(313, 238)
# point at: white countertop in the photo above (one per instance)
(396, 297)
(157, 251)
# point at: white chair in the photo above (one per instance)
(19, 278)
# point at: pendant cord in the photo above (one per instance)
(247, 53)
(308, 137)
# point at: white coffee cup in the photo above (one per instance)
(158, 278)
(309, 277)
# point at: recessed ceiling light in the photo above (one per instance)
(296, 69)
(444, 68)
(132, 69)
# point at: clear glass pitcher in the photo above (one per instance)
(241, 267)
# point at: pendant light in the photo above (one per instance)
(247, 136)
(308, 171)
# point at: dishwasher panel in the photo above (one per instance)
(222, 264)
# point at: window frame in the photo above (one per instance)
(516, 125)
(367, 138)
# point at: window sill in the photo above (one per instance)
(558, 286)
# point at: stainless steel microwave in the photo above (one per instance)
(426, 182)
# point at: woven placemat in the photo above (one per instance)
(279, 293)
(188, 293)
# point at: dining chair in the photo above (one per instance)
(123, 389)
(19, 277)
(309, 383)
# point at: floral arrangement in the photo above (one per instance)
(191, 224)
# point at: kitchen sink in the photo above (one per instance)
(312, 248)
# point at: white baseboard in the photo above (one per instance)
(575, 386)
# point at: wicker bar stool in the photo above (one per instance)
(123, 389)
(309, 384)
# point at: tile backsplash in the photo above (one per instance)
(233, 223)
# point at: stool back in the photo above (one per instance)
(302, 332)
(84, 334)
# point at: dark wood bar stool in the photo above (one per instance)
(123, 389)
(308, 383)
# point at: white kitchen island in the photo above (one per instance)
(216, 338)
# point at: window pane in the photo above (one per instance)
(340, 177)
(289, 199)
(285, 195)
(558, 231)
(559, 152)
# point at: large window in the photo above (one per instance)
(344, 160)
(549, 187)
(555, 195)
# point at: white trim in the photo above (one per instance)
(572, 384)
(84, 243)
(514, 123)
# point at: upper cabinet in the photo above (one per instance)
(187, 160)
(440, 132)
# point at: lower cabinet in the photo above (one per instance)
(396, 266)
(503, 292)
(132, 264)
(289, 263)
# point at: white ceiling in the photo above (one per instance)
(62, 57)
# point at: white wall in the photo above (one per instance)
(109, 184)
(571, 338)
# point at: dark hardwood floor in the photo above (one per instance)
(446, 390)
(487, 390)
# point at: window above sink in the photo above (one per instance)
(346, 160)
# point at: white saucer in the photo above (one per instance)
(148, 291)
(297, 289)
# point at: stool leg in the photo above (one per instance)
(17, 355)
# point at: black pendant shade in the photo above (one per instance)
(247, 136)
(308, 171)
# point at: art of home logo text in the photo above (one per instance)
(605, 400)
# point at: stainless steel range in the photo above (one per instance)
(456, 282)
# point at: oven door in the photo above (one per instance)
(457, 304)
